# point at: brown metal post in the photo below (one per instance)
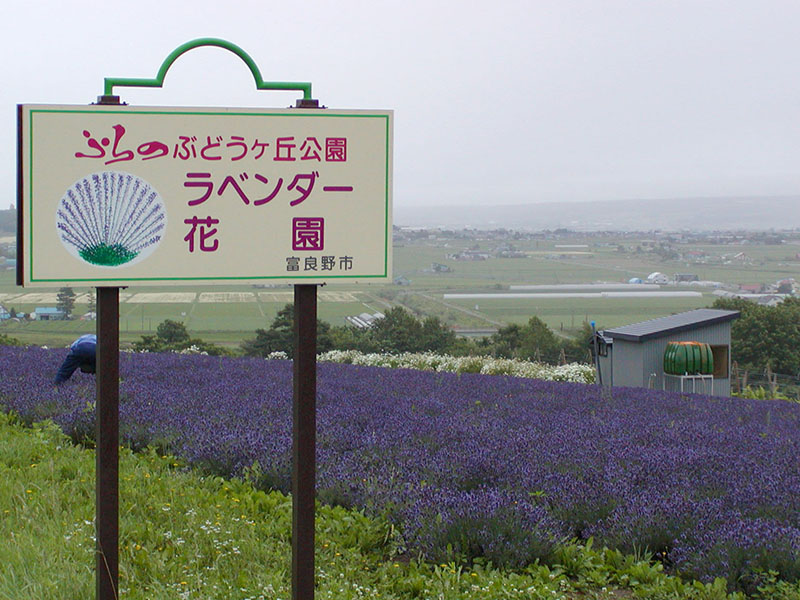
(107, 451)
(21, 249)
(304, 434)
(107, 436)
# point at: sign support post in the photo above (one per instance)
(304, 432)
(107, 436)
(107, 450)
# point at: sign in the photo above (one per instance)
(120, 195)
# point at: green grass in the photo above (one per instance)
(569, 313)
(184, 535)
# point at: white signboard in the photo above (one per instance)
(119, 195)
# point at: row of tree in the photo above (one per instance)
(765, 336)
(172, 336)
(400, 331)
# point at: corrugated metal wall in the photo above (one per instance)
(605, 368)
(641, 364)
(627, 364)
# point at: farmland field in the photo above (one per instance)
(229, 314)
(221, 314)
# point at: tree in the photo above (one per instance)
(172, 332)
(266, 342)
(66, 301)
(578, 349)
(538, 342)
(534, 341)
(505, 342)
(6, 340)
(397, 331)
(172, 336)
(436, 336)
(347, 337)
(765, 335)
(280, 336)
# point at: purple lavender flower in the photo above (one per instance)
(472, 465)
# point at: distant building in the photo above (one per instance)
(751, 288)
(469, 255)
(49, 314)
(769, 300)
(725, 294)
(658, 278)
(4, 314)
(440, 268)
(685, 277)
(364, 320)
(401, 280)
(785, 286)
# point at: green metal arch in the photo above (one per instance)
(112, 82)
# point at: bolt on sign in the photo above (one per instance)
(119, 195)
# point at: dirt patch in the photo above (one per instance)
(337, 297)
(39, 298)
(227, 297)
(276, 296)
(163, 298)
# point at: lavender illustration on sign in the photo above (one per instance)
(111, 218)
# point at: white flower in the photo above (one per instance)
(428, 361)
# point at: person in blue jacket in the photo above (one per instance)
(82, 354)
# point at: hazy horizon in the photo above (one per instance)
(746, 213)
(759, 213)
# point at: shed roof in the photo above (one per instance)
(48, 311)
(655, 328)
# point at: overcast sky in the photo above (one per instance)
(499, 102)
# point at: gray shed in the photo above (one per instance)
(633, 355)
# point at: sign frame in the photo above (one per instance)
(36, 246)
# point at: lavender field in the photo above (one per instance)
(469, 465)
